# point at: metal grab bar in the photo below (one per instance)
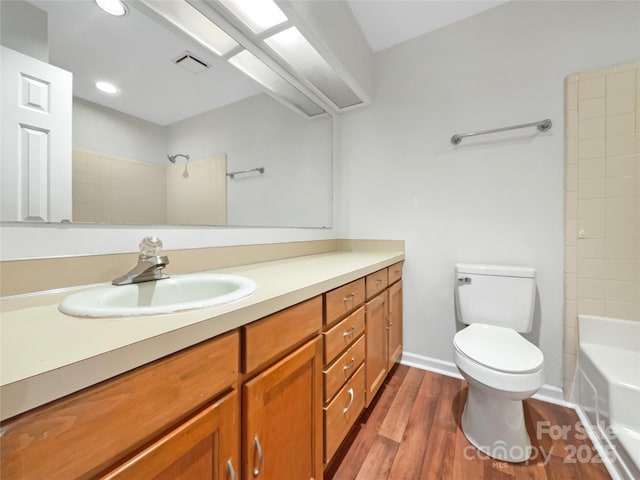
(542, 125)
(240, 172)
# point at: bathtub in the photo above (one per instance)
(608, 391)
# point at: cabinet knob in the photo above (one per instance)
(349, 332)
(349, 298)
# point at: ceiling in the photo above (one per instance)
(135, 52)
(385, 23)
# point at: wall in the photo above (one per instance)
(108, 132)
(197, 192)
(23, 27)
(602, 205)
(116, 190)
(493, 199)
(260, 132)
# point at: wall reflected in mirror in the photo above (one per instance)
(216, 115)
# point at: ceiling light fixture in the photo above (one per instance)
(261, 73)
(258, 15)
(113, 7)
(193, 23)
(107, 87)
(291, 45)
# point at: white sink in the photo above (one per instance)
(174, 294)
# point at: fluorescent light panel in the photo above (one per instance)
(193, 23)
(261, 73)
(258, 15)
(295, 49)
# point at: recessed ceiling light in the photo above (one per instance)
(107, 87)
(113, 7)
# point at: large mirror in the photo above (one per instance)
(187, 139)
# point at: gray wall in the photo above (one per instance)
(103, 130)
(296, 188)
(23, 27)
(493, 199)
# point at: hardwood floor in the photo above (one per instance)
(412, 432)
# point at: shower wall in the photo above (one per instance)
(107, 189)
(602, 201)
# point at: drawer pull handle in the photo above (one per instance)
(346, 409)
(349, 332)
(256, 443)
(378, 281)
(349, 297)
(230, 470)
(349, 365)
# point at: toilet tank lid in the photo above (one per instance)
(502, 270)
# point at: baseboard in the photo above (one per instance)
(431, 364)
(548, 393)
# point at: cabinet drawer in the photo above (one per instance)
(343, 368)
(376, 282)
(342, 412)
(276, 335)
(343, 335)
(395, 272)
(343, 300)
(84, 433)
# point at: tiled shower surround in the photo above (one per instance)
(115, 190)
(602, 201)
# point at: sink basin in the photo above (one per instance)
(174, 294)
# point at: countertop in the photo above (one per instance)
(45, 354)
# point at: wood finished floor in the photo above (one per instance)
(412, 432)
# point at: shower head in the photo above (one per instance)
(172, 158)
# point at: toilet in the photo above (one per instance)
(501, 367)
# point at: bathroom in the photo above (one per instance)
(494, 199)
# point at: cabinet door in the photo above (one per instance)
(377, 347)
(204, 447)
(395, 323)
(282, 413)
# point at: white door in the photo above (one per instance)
(35, 148)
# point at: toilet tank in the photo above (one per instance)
(502, 295)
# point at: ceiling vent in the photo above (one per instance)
(190, 62)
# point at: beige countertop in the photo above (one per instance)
(45, 354)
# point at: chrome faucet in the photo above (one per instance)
(150, 264)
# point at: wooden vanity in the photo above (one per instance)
(271, 399)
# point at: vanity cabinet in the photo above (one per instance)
(395, 322)
(377, 364)
(282, 402)
(119, 427)
(273, 399)
(383, 314)
(344, 356)
(203, 447)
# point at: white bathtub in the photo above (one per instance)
(609, 390)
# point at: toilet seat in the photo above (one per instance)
(498, 348)
(499, 358)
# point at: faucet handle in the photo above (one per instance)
(150, 246)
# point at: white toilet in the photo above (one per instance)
(501, 367)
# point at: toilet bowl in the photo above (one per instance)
(502, 369)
